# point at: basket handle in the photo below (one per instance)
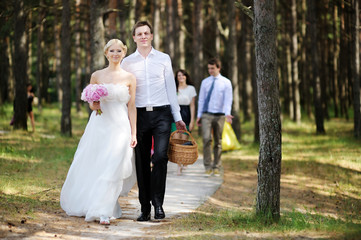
(183, 131)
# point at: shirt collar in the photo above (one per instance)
(152, 52)
(218, 76)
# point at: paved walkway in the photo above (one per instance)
(184, 194)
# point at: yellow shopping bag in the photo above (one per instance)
(229, 139)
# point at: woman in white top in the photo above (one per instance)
(186, 94)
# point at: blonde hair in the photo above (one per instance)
(115, 41)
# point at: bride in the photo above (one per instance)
(103, 165)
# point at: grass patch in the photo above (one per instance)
(320, 188)
(34, 165)
(226, 220)
(320, 180)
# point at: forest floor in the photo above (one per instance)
(237, 191)
(320, 188)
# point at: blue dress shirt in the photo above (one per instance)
(221, 98)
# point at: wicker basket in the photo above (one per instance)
(182, 154)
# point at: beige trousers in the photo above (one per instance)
(212, 124)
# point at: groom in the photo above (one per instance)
(157, 106)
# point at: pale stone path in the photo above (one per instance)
(183, 195)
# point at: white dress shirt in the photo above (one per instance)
(155, 80)
(221, 98)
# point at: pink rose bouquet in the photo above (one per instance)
(93, 93)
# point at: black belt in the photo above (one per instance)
(151, 109)
(215, 114)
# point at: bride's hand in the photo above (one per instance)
(95, 105)
(133, 142)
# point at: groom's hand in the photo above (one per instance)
(180, 125)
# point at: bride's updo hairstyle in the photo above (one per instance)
(115, 41)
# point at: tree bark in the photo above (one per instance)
(20, 61)
(305, 66)
(182, 57)
(335, 61)
(65, 69)
(40, 61)
(270, 154)
(156, 23)
(247, 84)
(57, 50)
(78, 56)
(232, 67)
(197, 43)
(312, 18)
(97, 41)
(4, 68)
(356, 69)
(169, 47)
(343, 76)
(176, 22)
(112, 19)
(125, 35)
(295, 78)
(323, 40)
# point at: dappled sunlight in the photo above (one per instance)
(317, 195)
(10, 190)
(19, 159)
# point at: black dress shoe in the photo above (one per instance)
(143, 217)
(159, 213)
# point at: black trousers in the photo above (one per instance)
(151, 182)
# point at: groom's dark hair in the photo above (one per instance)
(141, 24)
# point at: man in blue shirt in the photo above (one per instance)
(214, 107)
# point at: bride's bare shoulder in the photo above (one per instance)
(96, 76)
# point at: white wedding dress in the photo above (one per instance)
(103, 166)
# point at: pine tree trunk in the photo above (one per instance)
(20, 66)
(295, 79)
(356, 68)
(269, 166)
(97, 41)
(197, 43)
(39, 64)
(335, 63)
(247, 52)
(57, 49)
(112, 20)
(65, 69)
(156, 23)
(4, 68)
(324, 76)
(343, 76)
(11, 87)
(182, 57)
(305, 66)
(124, 34)
(78, 56)
(169, 47)
(232, 66)
(312, 17)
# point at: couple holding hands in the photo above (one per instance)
(115, 149)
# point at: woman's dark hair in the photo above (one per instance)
(188, 78)
(28, 85)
